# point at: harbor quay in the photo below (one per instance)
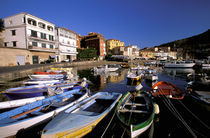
(12, 73)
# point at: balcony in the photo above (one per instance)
(40, 39)
(35, 48)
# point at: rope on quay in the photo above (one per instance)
(174, 111)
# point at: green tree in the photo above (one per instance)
(1, 24)
(87, 54)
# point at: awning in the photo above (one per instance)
(53, 56)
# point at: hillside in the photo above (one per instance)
(196, 42)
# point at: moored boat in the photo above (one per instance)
(164, 88)
(134, 75)
(136, 112)
(37, 112)
(44, 76)
(179, 64)
(40, 90)
(20, 102)
(80, 119)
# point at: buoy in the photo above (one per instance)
(157, 110)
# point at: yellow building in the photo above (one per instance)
(112, 43)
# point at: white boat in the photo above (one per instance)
(80, 119)
(106, 68)
(38, 82)
(20, 102)
(41, 77)
(179, 64)
(151, 75)
(37, 112)
(134, 75)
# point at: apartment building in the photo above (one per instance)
(32, 34)
(96, 41)
(112, 43)
(67, 44)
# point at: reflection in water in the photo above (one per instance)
(178, 72)
(117, 82)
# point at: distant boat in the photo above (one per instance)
(151, 75)
(106, 68)
(136, 112)
(41, 77)
(179, 64)
(164, 88)
(80, 119)
(37, 112)
(134, 75)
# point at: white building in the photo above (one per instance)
(25, 31)
(66, 43)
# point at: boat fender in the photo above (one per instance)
(157, 110)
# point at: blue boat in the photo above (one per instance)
(38, 90)
(38, 112)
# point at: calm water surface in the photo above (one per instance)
(166, 124)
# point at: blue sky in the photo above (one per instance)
(145, 23)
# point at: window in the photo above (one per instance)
(41, 25)
(13, 32)
(24, 20)
(51, 46)
(33, 33)
(43, 36)
(5, 44)
(10, 22)
(51, 38)
(31, 21)
(34, 43)
(50, 28)
(14, 43)
(43, 45)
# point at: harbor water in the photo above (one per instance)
(166, 124)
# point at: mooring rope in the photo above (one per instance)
(195, 116)
(108, 124)
(174, 111)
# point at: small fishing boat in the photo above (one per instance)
(43, 76)
(80, 119)
(40, 90)
(46, 81)
(20, 102)
(37, 112)
(134, 75)
(136, 112)
(106, 68)
(164, 88)
(151, 75)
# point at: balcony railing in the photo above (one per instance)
(36, 48)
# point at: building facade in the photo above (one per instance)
(96, 41)
(25, 31)
(112, 43)
(66, 41)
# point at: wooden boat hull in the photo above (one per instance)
(11, 122)
(134, 129)
(35, 90)
(20, 102)
(82, 119)
(164, 88)
(41, 77)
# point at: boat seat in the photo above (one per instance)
(134, 111)
(135, 104)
